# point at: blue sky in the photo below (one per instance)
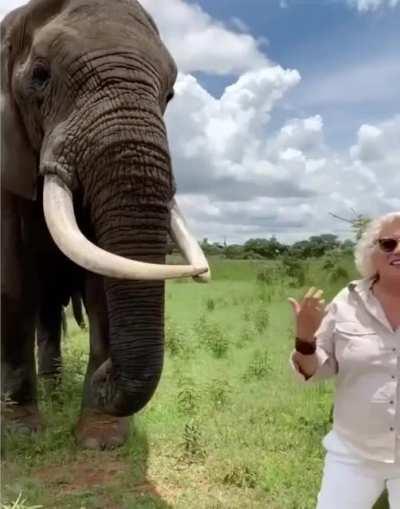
(316, 38)
(285, 112)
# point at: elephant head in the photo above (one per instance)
(85, 85)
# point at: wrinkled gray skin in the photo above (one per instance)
(51, 326)
(85, 85)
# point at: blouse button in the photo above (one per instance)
(391, 428)
(392, 402)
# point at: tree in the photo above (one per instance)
(358, 223)
(265, 248)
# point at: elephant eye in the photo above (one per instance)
(40, 75)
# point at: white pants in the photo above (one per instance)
(357, 484)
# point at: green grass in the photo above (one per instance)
(228, 427)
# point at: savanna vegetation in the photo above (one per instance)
(229, 427)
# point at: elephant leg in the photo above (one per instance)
(95, 429)
(49, 327)
(18, 308)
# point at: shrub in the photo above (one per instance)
(328, 262)
(338, 273)
(192, 440)
(261, 319)
(212, 338)
(240, 475)
(210, 304)
(295, 270)
(175, 340)
(264, 295)
(246, 336)
(259, 367)
(219, 392)
(188, 399)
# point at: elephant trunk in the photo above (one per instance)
(129, 208)
(135, 311)
(127, 188)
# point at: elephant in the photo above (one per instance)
(88, 200)
(51, 326)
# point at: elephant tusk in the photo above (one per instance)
(60, 218)
(187, 244)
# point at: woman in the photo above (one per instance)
(357, 340)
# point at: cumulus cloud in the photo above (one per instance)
(238, 177)
(373, 5)
(201, 43)
(222, 139)
(197, 41)
(234, 181)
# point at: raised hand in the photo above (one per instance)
(308, 313)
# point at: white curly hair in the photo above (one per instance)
(366, 246)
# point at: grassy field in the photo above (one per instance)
(228, 427)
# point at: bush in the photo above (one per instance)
(177, 341)
(296, 270)
(192, 440)
(272, 274)
(240, 475)
(261, 319)
(212, 338)
(259, 367)
(219, 392)
(338, 273)
(210, 304)
(188, 399)
(247, 335)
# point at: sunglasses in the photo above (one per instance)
(388, 245)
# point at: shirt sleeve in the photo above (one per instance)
(327, 363)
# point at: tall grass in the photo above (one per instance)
(227, 428)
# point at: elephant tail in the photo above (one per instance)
(64, 323)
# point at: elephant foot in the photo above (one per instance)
(96, 430)
(21, 418)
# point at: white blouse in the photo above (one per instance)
(357, 345)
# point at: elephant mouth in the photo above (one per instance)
(63, 227)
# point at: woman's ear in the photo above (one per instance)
(18, 159)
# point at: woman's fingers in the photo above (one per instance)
(309, 293)
(312, 297)
(295, 305)
(318, 294)
(311, 301)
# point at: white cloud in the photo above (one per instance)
(197, 41)
(235, 182)
(373, 5)
(233, 179)
(223, 138)
(201, 43)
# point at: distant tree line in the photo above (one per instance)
(258, 249)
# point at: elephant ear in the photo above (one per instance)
(18, 159)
